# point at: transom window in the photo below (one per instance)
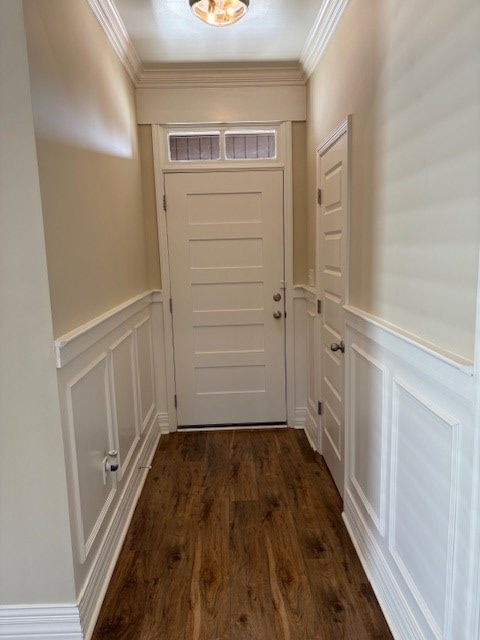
(212, 146)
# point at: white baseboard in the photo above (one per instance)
(390, 598)
(300, 417)
(163, 423)
(42, 622)
(91, 599)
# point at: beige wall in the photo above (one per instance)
(35, 544)
(87, 144)
(299, 133)
(149, 206)
(409, 74)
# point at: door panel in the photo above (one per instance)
(332, 225)
(225, 233)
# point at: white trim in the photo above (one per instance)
(378, 519)
(223, 163)
(311, 439)
(281, 75)
(163, 423)
(143, 421)
(300, 417)
(451, 359)
(83, 545)
(472, 623)
(96, 585)
(163, 166)
(40, 622)
(305, 291)
(222, 77)
(390, 598)
(323, 28)
(453, 424)
(112, 24)
(159, 151)
(73, 343)
(124, 462)
(335, 135)
(284, 136)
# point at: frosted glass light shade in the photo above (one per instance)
(219, 13)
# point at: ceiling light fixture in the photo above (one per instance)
(219, 13)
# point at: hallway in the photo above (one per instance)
(238, 535)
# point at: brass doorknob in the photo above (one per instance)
(277, 315)
(338, 347)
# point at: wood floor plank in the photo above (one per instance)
(243, 480)
(239, 536)
(252, 615)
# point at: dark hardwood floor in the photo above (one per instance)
(238, 535)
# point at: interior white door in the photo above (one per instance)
(226, 251)
(332, 266)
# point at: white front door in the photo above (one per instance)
(332, 266)
(226, 251)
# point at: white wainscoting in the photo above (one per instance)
(306, 375)
(408, 477)
(112, 386)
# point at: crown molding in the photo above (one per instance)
(225, 76)
(112, 24)
(221, 76)
(325, 24)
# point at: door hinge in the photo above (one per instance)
(320, 408)
(319, 306)
(319, 196)
(175, 400)
(165, 202)
(171, 305)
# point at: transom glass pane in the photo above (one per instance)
(255, 145)
(194, 147)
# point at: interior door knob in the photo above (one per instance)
(338, 347)
(277, 315)
(277, 297)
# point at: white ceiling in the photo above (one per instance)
(166, 32)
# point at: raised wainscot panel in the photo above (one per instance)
(90, 429)
(124, 395)
(143, 336)
(423, 502)
(367, 464)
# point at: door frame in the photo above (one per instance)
(344, 127)
(162, 165)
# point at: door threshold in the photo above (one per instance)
(233, 426)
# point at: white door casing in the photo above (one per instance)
(226, 252)
(332, 178)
